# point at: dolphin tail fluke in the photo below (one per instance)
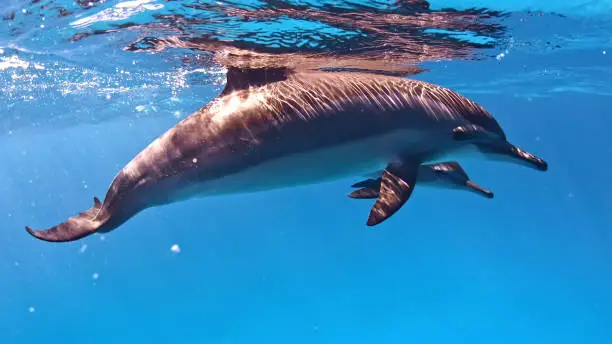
(76, 227)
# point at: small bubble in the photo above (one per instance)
(570, 195)
(24, 11)
(195, 160)
(31, 309)
(140, 108)
(1, 51)
(83, 248)
(102, 237)
(177, 114)
(42, 26)
(108, 97)
(537, 138)
(95, 276)
(175, 249)
(604, 52)
(16, 263)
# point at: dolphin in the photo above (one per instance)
(277, 127)
(448, 175)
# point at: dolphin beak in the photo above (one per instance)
(509, 150)
(534, 161)
(479, 189)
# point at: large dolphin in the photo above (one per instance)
(273, 128)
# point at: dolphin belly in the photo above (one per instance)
(325, 164)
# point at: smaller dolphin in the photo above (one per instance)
(446, 174)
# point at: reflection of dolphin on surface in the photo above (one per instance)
(273, 128)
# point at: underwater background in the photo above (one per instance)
(85, 85)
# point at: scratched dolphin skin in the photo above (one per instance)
(273, 128)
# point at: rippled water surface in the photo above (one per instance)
(85, 85)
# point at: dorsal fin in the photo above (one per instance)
(243, 78)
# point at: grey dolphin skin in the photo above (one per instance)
(273, 128)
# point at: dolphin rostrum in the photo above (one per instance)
(273, 128)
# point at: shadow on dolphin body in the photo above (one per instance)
(274, 128)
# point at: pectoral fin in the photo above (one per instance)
(396, 186)
(369, 189)
(367, 183)
(365, 193)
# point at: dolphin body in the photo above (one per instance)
(273, 128)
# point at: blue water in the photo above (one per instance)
(298, 265)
